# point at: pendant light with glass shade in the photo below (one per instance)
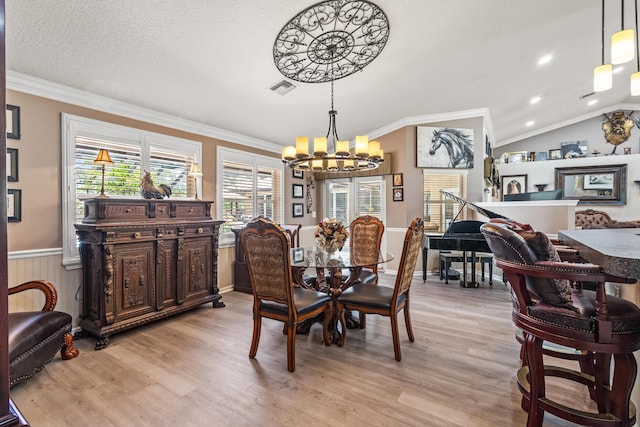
(622, 42)
(635, 77)
(602, 74)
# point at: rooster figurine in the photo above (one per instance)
(149, 191)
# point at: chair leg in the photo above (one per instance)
(407, 322)
(291, 347)
(624, 376)
(396, 337)
(536, 380)
(362, 319)
(257, 326)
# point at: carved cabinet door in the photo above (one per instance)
(134, 280)
(196, 268)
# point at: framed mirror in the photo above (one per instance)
(596, 185)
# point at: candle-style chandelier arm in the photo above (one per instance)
(323, 43)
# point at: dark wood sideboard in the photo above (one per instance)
(241, 280)
(145, 260)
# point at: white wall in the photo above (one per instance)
(543, 172)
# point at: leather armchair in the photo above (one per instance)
(36, 336)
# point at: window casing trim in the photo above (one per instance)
(238, 156)
(73, 126)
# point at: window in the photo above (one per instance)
(348, 198)
(437, 209)
(133, 151)
(251, 186)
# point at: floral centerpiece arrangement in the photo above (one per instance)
(331, 234)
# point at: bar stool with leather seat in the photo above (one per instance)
(550, 307)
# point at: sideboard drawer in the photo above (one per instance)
(191, 210)
(132, 235)
(198, 230)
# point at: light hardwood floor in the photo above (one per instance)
(194, 370)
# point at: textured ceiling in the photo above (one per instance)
(211, 62)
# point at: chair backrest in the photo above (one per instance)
(592, 219)
(293, 231)
(266, 250)
(509, 242)
(409, 257)
(365, 233)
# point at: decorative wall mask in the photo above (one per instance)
(617, 128)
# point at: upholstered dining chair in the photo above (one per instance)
(266, 248)
(36, 336)
(552, 309)
(365, 233)
(384, 300)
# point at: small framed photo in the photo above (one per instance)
(540, 156)
(514, 184)
(397, 180)
(12, 164)
(398, 194)
(14, 205)
(298, 191)
(517, 157)
(297, 173)
(297, 255)
(555, 154)
(13, 122)
(298, 210)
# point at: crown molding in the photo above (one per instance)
(57, 92)
(439, 117)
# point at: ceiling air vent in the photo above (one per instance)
(283, 87)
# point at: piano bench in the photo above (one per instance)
(447, 258)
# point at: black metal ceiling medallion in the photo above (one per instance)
(330, 40)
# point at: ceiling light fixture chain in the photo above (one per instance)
(325, 42)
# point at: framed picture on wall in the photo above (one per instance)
(298, 210)
(298, 191)
(13, 122)
(398, 194)
(12, 164)
(14, 205)
(555, 154)
(297, 173)
(514, 184)
(444, 147)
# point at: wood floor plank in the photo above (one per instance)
(193, 370)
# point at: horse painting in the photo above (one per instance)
(444, 147)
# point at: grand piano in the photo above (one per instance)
(462, 236)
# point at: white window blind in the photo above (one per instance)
(437, 209)
(251, 186)
(369, 194)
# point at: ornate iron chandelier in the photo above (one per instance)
(325, 42)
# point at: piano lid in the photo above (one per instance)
(482, 211)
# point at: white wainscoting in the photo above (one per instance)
(44, 264)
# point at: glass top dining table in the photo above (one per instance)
(347, 258)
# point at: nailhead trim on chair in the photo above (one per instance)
(63, 330)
